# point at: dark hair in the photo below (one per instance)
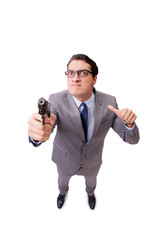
(85, 58)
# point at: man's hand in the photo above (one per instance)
(125, 114)
(40, 132)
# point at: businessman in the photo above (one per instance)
(83, 117)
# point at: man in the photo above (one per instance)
(83, 117)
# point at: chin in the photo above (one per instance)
(75, 93)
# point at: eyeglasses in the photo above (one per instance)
(81, 73)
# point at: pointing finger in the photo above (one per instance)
(116, 111)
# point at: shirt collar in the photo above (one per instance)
(89, 102)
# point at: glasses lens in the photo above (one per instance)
(83, 73)
(69, 73)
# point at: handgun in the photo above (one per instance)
(44, 109)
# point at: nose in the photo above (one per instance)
(76, 78)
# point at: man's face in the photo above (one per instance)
(80, 87)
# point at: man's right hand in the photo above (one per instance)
(40, 132)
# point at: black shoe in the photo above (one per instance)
(92, 201)
(60, 200)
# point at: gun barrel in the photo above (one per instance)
(43, 106)
(41, 102)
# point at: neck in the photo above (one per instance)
(84, 98)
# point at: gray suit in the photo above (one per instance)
(70, 152)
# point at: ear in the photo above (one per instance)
(94, 80)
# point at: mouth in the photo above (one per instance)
(75, 85)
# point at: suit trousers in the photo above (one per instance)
(90, 179)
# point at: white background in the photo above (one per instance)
(37, 38)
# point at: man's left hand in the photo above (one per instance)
(125, 114)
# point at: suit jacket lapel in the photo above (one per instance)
(98, 114)
(74, 115)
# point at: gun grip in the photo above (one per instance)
(43, 120)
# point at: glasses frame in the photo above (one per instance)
(82, 70)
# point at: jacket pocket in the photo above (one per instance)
(59, 154)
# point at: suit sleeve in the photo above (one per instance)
(53, 108)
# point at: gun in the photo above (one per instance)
(44, 109)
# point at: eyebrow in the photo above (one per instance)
(79, 70)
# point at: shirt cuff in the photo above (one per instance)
(34, 142)
(130, 129)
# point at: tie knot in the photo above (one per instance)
(83, 105)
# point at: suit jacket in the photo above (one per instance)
(70, 151)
